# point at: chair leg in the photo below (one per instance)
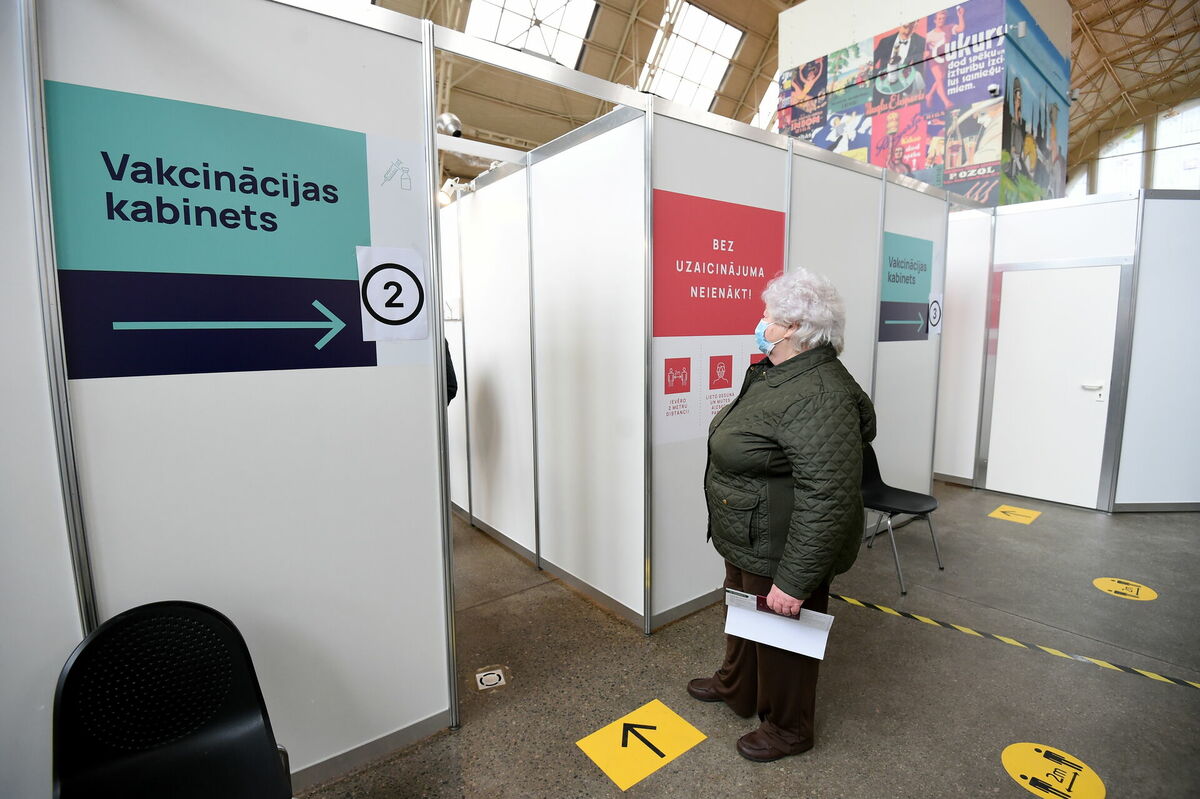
(938, 555)
(896, 555)
(875, 532)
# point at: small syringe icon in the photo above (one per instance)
(392, 169)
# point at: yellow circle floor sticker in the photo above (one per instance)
(1125, 589)
(1045, 771)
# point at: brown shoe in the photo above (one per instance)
(756, 746)
(704, 689)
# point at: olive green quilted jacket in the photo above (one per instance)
(785, 470)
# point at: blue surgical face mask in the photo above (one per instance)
(760, 337)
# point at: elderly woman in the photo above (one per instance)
(784, 503)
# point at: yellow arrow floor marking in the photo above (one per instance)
(1010, 513)
(638, 744)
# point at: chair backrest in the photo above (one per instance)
(162, 701)
(871, 478)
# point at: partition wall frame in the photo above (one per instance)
(797, 182)
(254, 491)
(1142, 239)
(91, 456)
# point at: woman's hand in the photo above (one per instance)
(782, 603)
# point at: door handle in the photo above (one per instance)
(1092, 386)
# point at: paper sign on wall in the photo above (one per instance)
(905, 282)
(712, 261)
(394, 303)
(193, 239)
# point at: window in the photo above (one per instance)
(1077, 183)
(1119, 166)
(1177, 148)
(766, 117)
(689, 64)
(554, 28)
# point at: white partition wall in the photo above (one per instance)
(300, 496)
(588, 231)
(906, 371)
(843, 246)
(718, 239)
(259, 427)
(1101, 226)
(493, 237)
(964, 329)
(1079, 313)
(39, 616)
(1158, 463)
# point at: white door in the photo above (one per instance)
(1053, 366)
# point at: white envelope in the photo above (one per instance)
(806, 634)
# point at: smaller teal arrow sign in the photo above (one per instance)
(333, 324)
(920, 320)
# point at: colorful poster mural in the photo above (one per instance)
(899, 143)
(847, 133)
(897, 76)
(1035, 136)
(965, 55)
(849, 72)
(973, 144)
(932, 99)
(195, 239)
(802, 84)
(802, 98)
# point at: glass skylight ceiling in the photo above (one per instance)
(555, 28)
(765, 117)
(691, 64)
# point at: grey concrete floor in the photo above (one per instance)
(905, 709)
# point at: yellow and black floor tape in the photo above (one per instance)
(1049, 650)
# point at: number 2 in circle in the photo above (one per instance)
(382, 297)
(393, 300)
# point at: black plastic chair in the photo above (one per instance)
(162, 701)
(889, 502)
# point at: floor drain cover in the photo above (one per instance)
(489, 678)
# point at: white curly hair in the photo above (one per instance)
(809, 300)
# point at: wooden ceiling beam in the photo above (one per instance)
(1135, 53)
(1083, 26)
(755, 75)
(1098, 113)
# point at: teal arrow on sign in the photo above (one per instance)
(920, 320)
(332, 324)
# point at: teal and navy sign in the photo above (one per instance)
(192, 239)
(904, 295)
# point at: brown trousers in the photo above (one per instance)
(780, 686)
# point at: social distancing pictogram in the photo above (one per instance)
(1050, 772)
(1126, 589)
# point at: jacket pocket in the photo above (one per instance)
(734, 514)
